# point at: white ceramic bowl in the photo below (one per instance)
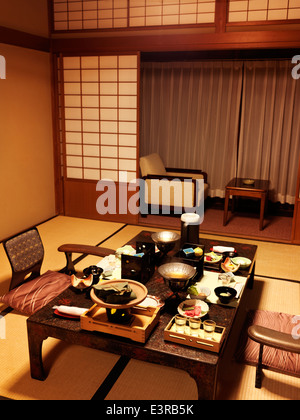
(204, 292)
(242, 261)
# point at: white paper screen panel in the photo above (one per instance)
(263, 10)
(99, 116)
(75, 15)
(171, 12)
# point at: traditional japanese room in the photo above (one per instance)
(98, 98)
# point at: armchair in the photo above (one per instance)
(30, 290)
(157, 178)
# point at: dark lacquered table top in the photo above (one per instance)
(259, 184)
(223, 315)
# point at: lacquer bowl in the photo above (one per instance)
(225, 294)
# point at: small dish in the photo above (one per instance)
(192, 304)
(225, 294)
(83, 283)
(152, 301)
(248, 181)
(229, 266)
(203, 292)
(242, 261)
(212, 258)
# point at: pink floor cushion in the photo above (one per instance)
(274, 359)
(31, 296)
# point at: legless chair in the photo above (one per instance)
(30, 290)
(271, 338)
(153, 169)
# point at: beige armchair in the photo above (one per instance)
(158, 179)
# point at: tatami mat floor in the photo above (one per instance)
(77, 372)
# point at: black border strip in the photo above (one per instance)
(277, 278)
(111, 378)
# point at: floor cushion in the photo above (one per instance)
(281, 361)
(31, 296)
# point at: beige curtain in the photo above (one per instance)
(228, 118)
(190, 116)
(269, 145)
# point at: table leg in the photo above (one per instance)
(234, 203)
(206, 379)
(251, 278)
(262, 211)
(226, 207)
(35, 342)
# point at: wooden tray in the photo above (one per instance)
(170, 334)
(143, 321)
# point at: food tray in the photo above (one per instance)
(170, 334)
(143, 321)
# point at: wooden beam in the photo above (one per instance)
(221, 16)
(179, 42)
(24, 39)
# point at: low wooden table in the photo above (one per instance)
(237, 187)
(202, 365)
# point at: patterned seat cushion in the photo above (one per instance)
(31, 296)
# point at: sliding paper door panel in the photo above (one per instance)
(99, 128)
(82, 15)
(263, 10)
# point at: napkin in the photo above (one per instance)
(115, 293)
(238, 287)
(70, 310)
(110, 264)
(222, 249)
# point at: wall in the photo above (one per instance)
(29, 16)
(26, 145)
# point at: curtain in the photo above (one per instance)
(190, 116)
(269, 143)
(228, 118)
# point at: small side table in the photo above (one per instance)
(258, 189)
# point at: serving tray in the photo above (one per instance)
(170, 334)
(142, 322)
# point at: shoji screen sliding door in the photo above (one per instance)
(98, 109)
